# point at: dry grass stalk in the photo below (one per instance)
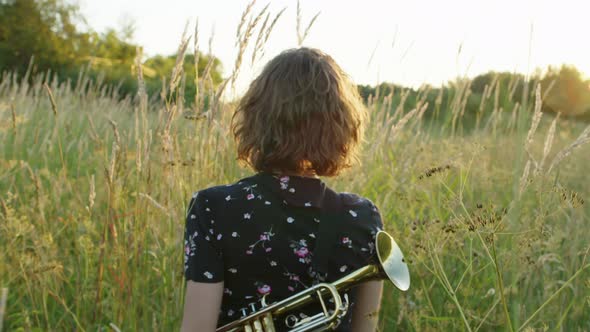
(3, 300)
(51, 98)
(140, 81)
(110, 170)
(396, 129)
(272, 25)
(512, 123)
(178, 66)
(243, 41)
(196, 60)
(301, 37)
(116, 132)
(309, 26)
(206, 71)
(92, 192)
(156, 204)
(93, 134)
(259, 39)
(524, 178)
(497, 94)
(400, 107)
(259, 47)
(243, 21)
(581, 140)
(13, 111)
(549, 141)
(537, 114)
(298, 24)
(422, 109)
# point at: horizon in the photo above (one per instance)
(392, 47)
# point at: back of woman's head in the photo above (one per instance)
(302, 114)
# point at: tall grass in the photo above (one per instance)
(93, 189)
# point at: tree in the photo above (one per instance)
(45, 29)
(570, 93)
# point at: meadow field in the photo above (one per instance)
(491, 209)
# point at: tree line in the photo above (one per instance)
(564, 90)
(46, 35)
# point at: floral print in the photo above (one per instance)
(300, 250)
(258, 236)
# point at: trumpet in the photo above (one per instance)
(391, 266)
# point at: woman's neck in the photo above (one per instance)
(300, 174)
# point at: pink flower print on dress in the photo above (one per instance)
(347, 242)
(262, 240)
(264, 289)
(248, 252)
(190, 247)
(284, 179)
(302, 252)
(250, 190)
(290, 288)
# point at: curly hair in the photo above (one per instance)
(302, 114)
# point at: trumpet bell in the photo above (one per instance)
(392, 261)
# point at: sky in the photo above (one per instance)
(409, 42)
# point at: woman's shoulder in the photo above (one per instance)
(360, 208)
(355, 200)
(227, 192)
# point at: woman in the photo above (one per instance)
(282, 230)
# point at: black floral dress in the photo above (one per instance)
(260, 236)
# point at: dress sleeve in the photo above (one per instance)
(376, 220)
(203, 258)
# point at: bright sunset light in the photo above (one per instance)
(405, 42)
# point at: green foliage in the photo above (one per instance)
(45, 29)
(44, 33)
(569, 94)
(564, 89)
(158, 67)
(92, 199)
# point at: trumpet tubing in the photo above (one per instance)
(391, 267)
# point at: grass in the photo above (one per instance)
(93, 189)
